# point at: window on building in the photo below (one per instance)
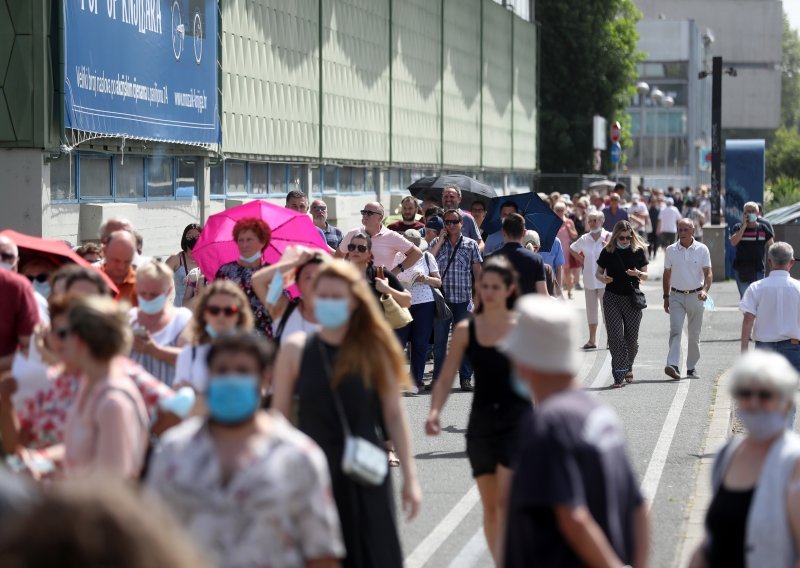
(62, 179)
(277, 179)
(236, 178)
(330, 179)
(315, 180)
(259, 179)
(129, 177)
(346, 179)
(185, 181)
(95, 177)
(297, 179)
(358, 182)
(217, 179)
(159, 177)
(371, 181)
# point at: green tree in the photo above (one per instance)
(588, 67)
(790, 76)
(783, 154)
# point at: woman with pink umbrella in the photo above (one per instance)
(252, 236)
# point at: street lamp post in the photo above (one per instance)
(667, 102)
(656, 96)
(643, 89)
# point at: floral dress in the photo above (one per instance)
(243, 277)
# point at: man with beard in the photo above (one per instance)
(408, 211)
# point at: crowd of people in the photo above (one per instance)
(262, 403)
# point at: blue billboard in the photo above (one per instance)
(142, 69)
(744, 181)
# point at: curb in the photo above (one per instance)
(719, 430)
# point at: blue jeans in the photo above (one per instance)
(786, 348)
(742, 286)
(417, 334)
(441, 332)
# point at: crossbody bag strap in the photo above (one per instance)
(452, 256)
(623, 272)
(336, 400)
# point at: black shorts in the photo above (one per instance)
(487, 452)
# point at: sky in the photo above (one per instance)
(792, 9)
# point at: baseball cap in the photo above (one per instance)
(435, 224)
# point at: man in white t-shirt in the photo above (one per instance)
(667, 228)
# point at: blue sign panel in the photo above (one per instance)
(744, 181)
(142, 69)
(616, 152)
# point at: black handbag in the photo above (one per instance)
(638, 299)
(441, 310)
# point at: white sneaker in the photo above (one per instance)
(413, 390)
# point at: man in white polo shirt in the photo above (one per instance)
(667, 224)
(389, 249)
(771, 307)
(687, 279)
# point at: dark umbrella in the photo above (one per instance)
(538, 216)
(471, 189)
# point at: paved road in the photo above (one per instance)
(665, 421)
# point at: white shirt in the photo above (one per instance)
(591, 250)
(389, 248)
(191, 366)
(668, 217)
(775, 301)
(687, 264)
(420, 293)
(296, 322)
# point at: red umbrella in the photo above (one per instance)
(217, 247)
(58, 251)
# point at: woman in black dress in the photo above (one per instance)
(622, 264)
(497, 408)
(355, 361)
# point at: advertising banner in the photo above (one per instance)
(744, 181)
(142, 69)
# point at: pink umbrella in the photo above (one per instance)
(217, 247)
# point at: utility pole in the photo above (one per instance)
(716, 139)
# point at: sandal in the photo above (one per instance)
(618, 385)
(629, 376)
(394, 461)
(589, 345)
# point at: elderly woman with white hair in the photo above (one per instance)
(587, 249)
(754, 516)
(157, 324)
(532, 242)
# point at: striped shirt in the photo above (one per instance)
(457, 281)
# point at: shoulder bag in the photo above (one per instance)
(396, 315)
(442, 310)
(362, 461)
(639, 300)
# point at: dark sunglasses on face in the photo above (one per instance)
(7, 256)
(38, 278)
(228, 310)
(761, 394)
(319, 208)
(621, 238)
(369, 213)
(452, 222)
(360, 248)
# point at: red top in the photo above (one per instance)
(18, 312)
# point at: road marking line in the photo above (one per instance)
(655, 468)
(428, 547)
(604, 374)
(472, 552)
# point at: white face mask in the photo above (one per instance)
(597, 230)
(6, 266)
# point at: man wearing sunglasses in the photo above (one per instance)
(687, 279)
(20, 313)
(389, 249)
(771, 307)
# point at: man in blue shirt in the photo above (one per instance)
(555, 258)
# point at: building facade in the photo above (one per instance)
(349, 100)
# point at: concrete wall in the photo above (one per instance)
(22, 190)
(747, 35)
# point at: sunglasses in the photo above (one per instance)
(228, 310)
(760, 394)
(621, 238)
(61, 333)
(452, 222)
(7, 256)
(318, 208)
(39, 277)
(369, 213)
(360, 248)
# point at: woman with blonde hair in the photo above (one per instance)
(622, 264)
(221, 309)
(348, 379)
(157, 324)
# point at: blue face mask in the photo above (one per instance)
(597, 230)
(623, 246)
(6, 266)
(250, 259)
(43, 288)
(275, 289)
(153, 306)
(213, 333)
(331, 313)
(519, 387)
(232, 398)
(751, 217)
